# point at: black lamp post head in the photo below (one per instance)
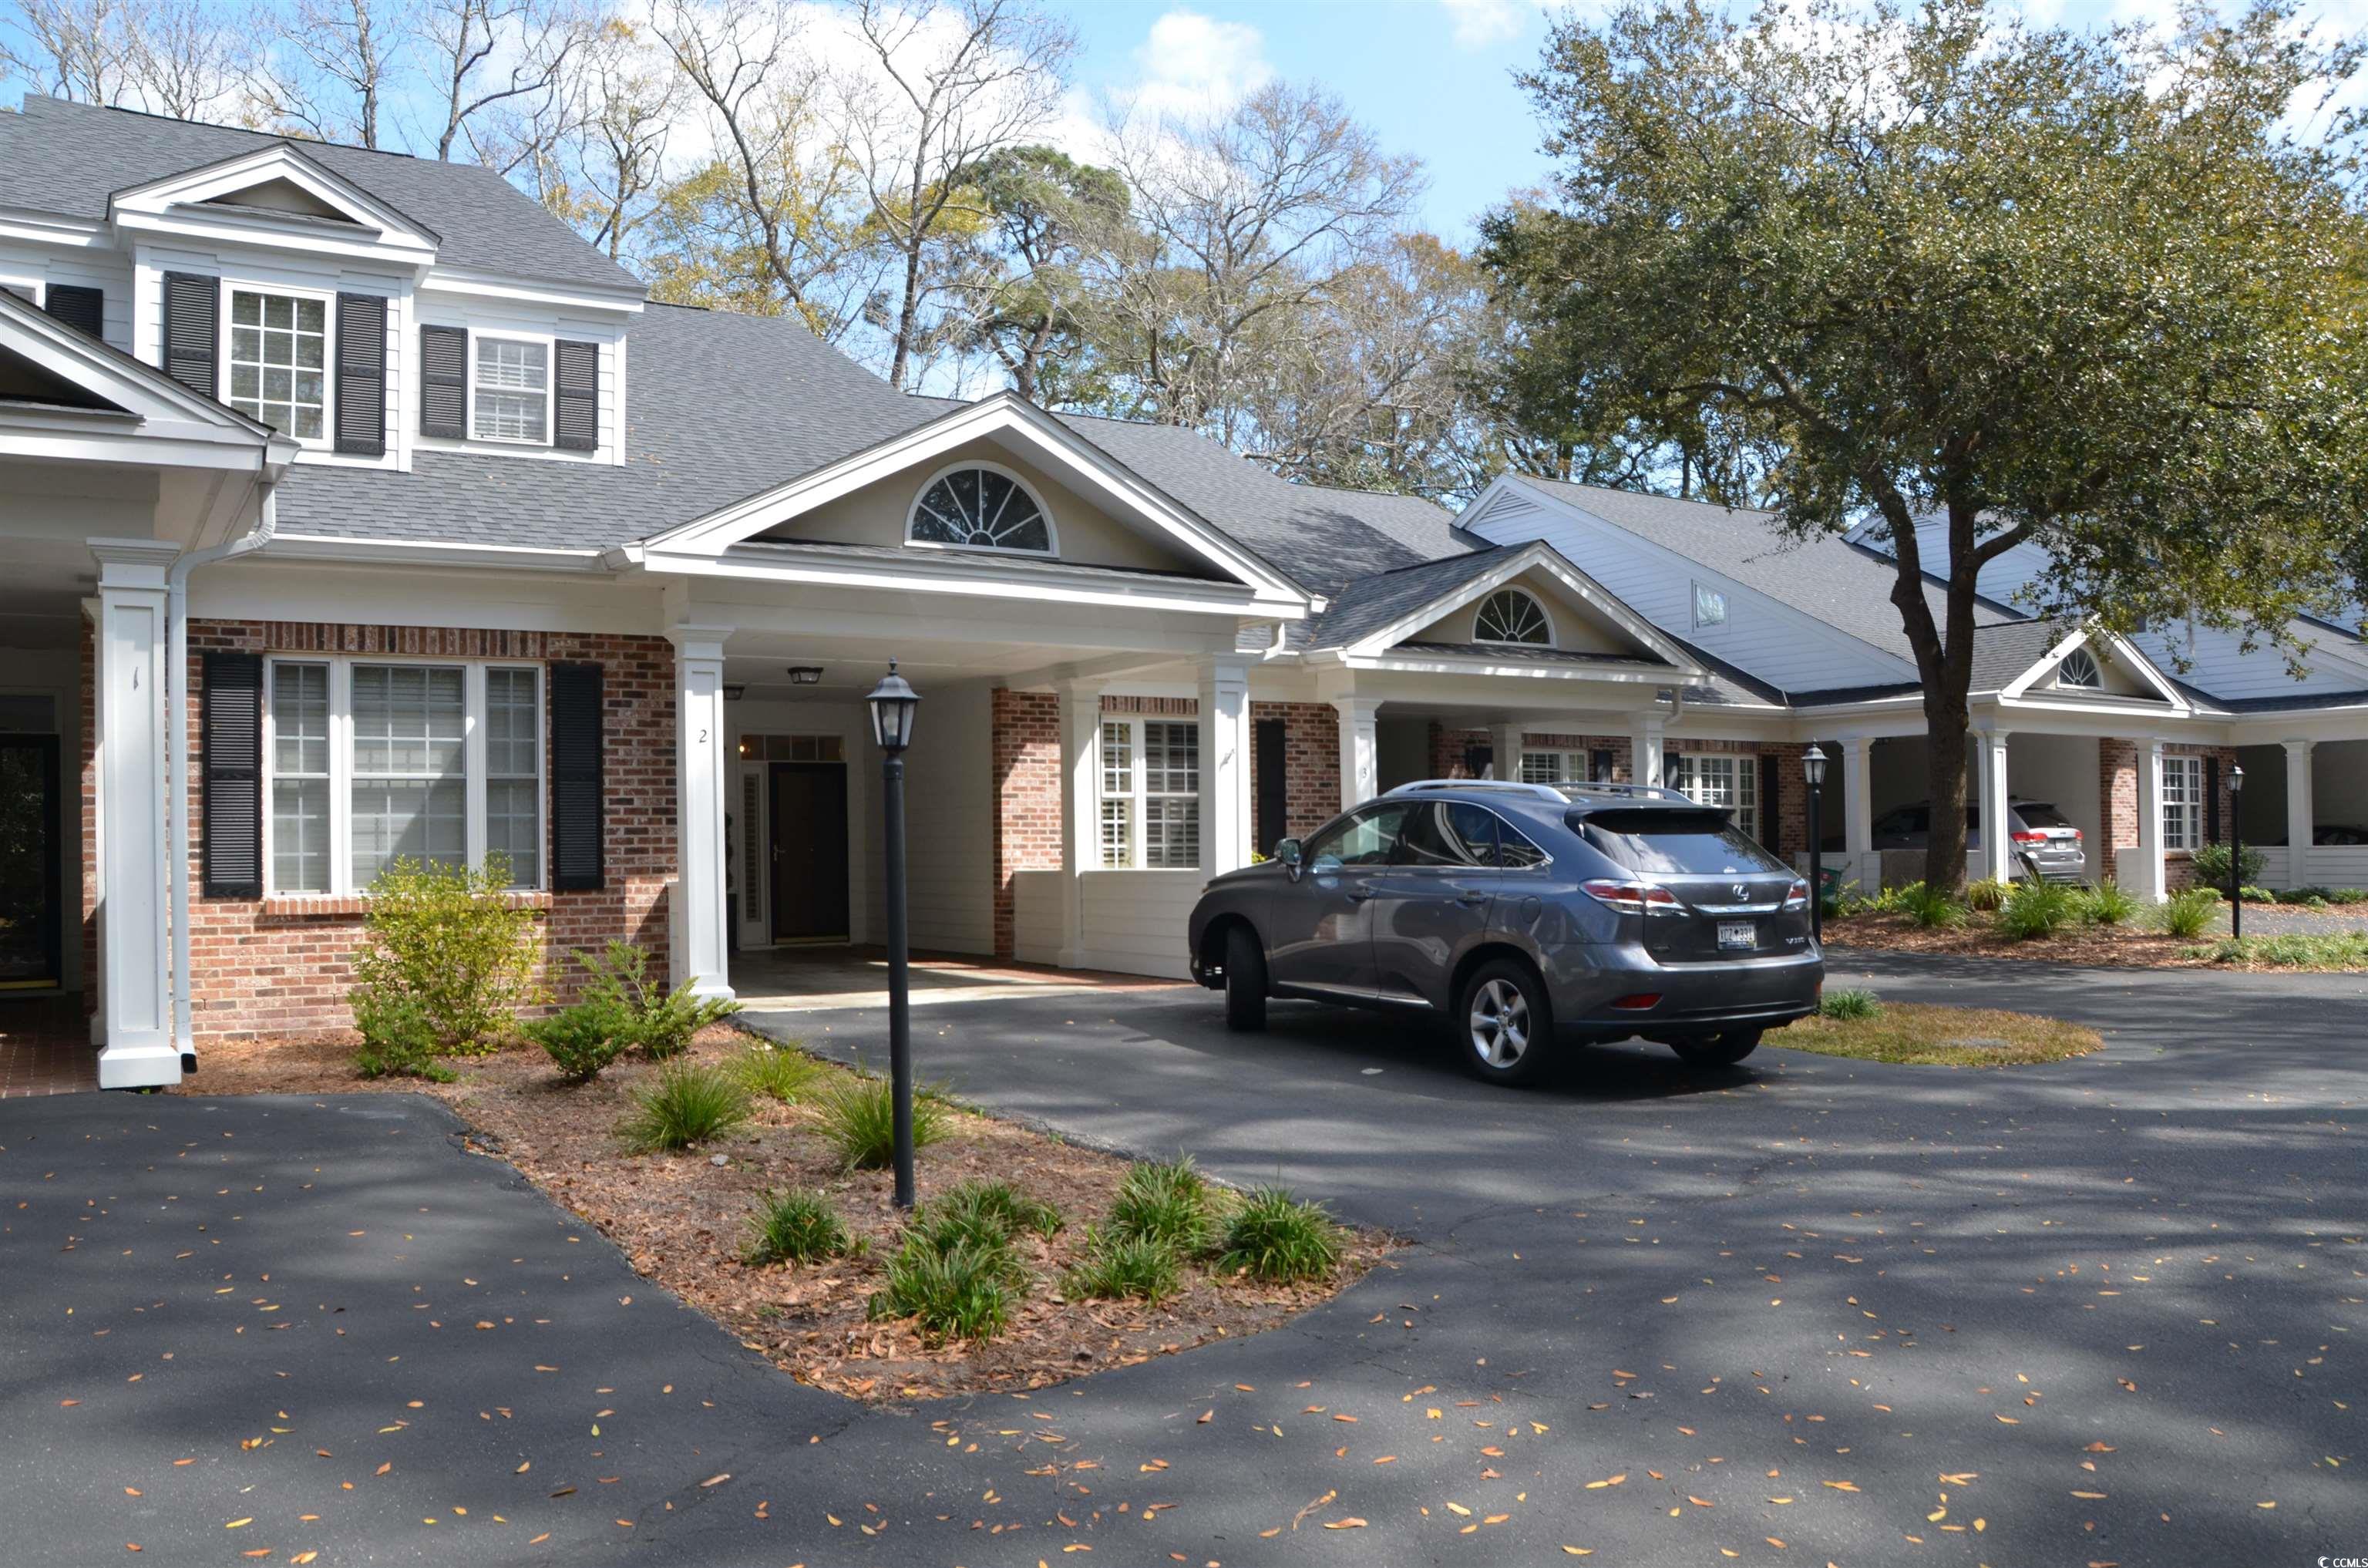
(2236, 779)
(1813, 765)
(892, 702)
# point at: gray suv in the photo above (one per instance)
(2046, 844)
(1520, 914)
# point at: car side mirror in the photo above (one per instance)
(1288, 852)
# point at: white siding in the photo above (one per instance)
(25, 265)
(1036, 915)
(948, 825)
(1136, 921)
(438, 307)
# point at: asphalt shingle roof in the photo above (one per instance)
(2002, 652)
(68, 158)
(1368, 603)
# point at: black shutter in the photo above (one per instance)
(578, 383)
(1771, 799)
(1273, 786)
(575, 836)
(361, 374)
(230, 756)
(444, 381)
(1599, 766)
(192, 306)
(2211, 800)
(83, 309)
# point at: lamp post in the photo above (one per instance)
(1813, 765)
(2237, 850)
(893, 703)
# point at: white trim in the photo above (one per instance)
(433, 552)
(1543, 556)
(2117, 650)
(179, 205)
(179, 427)
(917, 572)
(549, 343)
(1051, 528)
(461, 282)
(1554, 633)
(1676, 758)
(1138, 793)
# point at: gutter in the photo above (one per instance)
(176, 766)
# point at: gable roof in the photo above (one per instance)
(2003, 653)
(1369, 604)
(70, 158)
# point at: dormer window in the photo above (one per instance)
(2080, 668)
(1710, 606)
(981, 507)
(509, 392)
(1510, 615)
(279, 361)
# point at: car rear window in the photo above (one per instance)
(1676, 843)
(2034, 814)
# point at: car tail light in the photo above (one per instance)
(1639, 1002)
(1797, 895)
(2025, 835)
(1631, 898)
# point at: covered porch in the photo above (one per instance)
(2305, 807)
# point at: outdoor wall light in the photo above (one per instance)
(810, 675)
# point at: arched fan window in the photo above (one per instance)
(1510, 615)
(2080, 668)
(979, 506)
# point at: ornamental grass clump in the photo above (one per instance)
(1845, 1006)
(1987, 894)
(2036, 909)
(1275, 1239)
(686, 1105)
(1166, 1204)
(966, 1291)
(859, 1119)
(1123, 1268)
(1930, 907)
(797, 1226)
(2108, 904)
(999, 1206)
(778, 1072)
(2188, 912)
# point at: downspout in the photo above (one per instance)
(176, 766)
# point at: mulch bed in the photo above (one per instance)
(2108, 946)
(681, 1220)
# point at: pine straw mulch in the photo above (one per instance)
(2097, 947)
(681, 1221)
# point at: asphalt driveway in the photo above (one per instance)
(2096, 1312)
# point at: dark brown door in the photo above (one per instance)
(32, 904)
(809, 851)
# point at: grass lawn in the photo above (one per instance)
(2293, 950)
(1913, 1033)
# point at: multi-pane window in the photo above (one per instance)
(279, 361)
(2183, 802)
(1710, 606)
(300, 768)
(1151, 794)
(512, 390)
(373, 762)
(1729, 782)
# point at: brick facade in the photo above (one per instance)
(281, 965)
(2117, 782)
(1027, 771)
(1311, 765)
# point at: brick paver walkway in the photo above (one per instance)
(45, 1049)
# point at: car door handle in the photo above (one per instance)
(1359, 896)
(1474, 898)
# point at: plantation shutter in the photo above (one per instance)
(1770, 778)
(361, 374)
(231, 763)
(576, 782)
(84, 309)
(2211, 800)
(192, 303)
(444, 381)
(578, 385)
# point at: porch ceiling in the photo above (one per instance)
(761, 660)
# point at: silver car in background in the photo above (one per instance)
(2046, 844)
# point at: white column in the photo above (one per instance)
(701, 928)
(1645, 748)
(1360, 763)
(1505, 746)
(1858, 796)
(2302, 812)
(135, 1020)
(1225, 753)
(2151, 883)
(1081, 812)
(1997, 840)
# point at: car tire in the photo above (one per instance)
(1244, 980)
(1718, 1050)
(1504, 1023)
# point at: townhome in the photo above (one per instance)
(353, 508)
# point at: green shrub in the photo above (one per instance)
(688, 1105)
(1840, 900)
(398, 1041)
(2210, 864)
(798, 1226)
(663, 1022)
(778, 1072)
(1989, 893)
(967, 1292)
(2107, 905)
(584, 1039)
(1118, 1268)
(2267, 896)
(449, 939)
(2037, 908)
(2323, 895)
(859, 1118)
(1930, 907)
(1165, 1203)
(2188, 912)
(999, 1205)
(1277, 1239)
(1849, 1003)
(2293, 950)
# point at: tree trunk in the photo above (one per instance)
(1944, 754)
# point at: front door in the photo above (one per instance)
(31, 889)
(809, 836)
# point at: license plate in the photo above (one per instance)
(1737, 934)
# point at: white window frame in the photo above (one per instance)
(231, 289)
(1549, 765)
(1052, 528)
(478, 335)
(1554, 633)
(1700, 590)
(1135, 818)
(1744, 808)
(341, 667)
(2182, 819)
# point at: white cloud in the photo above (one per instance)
(1194, 65)
(1479, 23)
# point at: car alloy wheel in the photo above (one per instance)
(1501, 1023)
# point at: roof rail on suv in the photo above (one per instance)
(1634, 792)
(1545, 791)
